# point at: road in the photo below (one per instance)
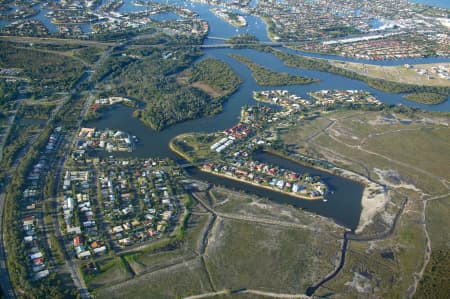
(5, 282)
(59, 167)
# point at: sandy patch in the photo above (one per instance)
(373, 201)
(390, 119)
(206, 88)
(262, 206)
(360, 283)
(393, 179)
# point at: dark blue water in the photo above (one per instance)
(345, 207)
(154, 143)
(343, 204)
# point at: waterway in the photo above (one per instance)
(343, 201)
(344, 204)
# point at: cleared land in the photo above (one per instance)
(397, 73)
(241, 255)
(408, 153)
(182, 279)
(435, 283)
(243, 245)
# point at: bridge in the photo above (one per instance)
(188, 165)
(227, 45)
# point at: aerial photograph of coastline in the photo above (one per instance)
(224, 149)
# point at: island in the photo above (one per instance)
(266, 77)
(207, 181)
(232, 18)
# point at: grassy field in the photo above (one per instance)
(184, 279)
(395, 73)
(415, 147)
(382, 269)
(147, 261)
(435, 283)
(238, 203)
(110, 271)
(196, 145)
(242, 254)
(409, 153)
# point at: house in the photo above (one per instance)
(38, 261)
(125, 241)
(100, 250)
(84, 254)
(38, 268)
(29, 220)
(28, 239)
(36, 255)
(166, 215)
(76, 241)
(41, 274)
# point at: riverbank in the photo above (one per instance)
(374, 197)
(173, 148)
(313, 198)
(290, 158)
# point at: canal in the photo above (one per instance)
(343, 204)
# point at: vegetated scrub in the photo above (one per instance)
(267, 257)
(109, 271)
(89, 54)
(435, 282)
(215, 74)
(18, 138)
(266, 77)
(365, 273)
(243, 39)
(388, 145)
(384, 268)
(429, 98)
(181, 280)
(404, 146)
(150, 74)
(47, 72)
(8, 93)
(37, 110)
(380, 84)
(211, 81)
(154, 257)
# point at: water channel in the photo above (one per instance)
(343, 204)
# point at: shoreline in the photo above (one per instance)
(304, 197)
(370, 205)
(176, 151)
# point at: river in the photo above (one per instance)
(344, 204)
